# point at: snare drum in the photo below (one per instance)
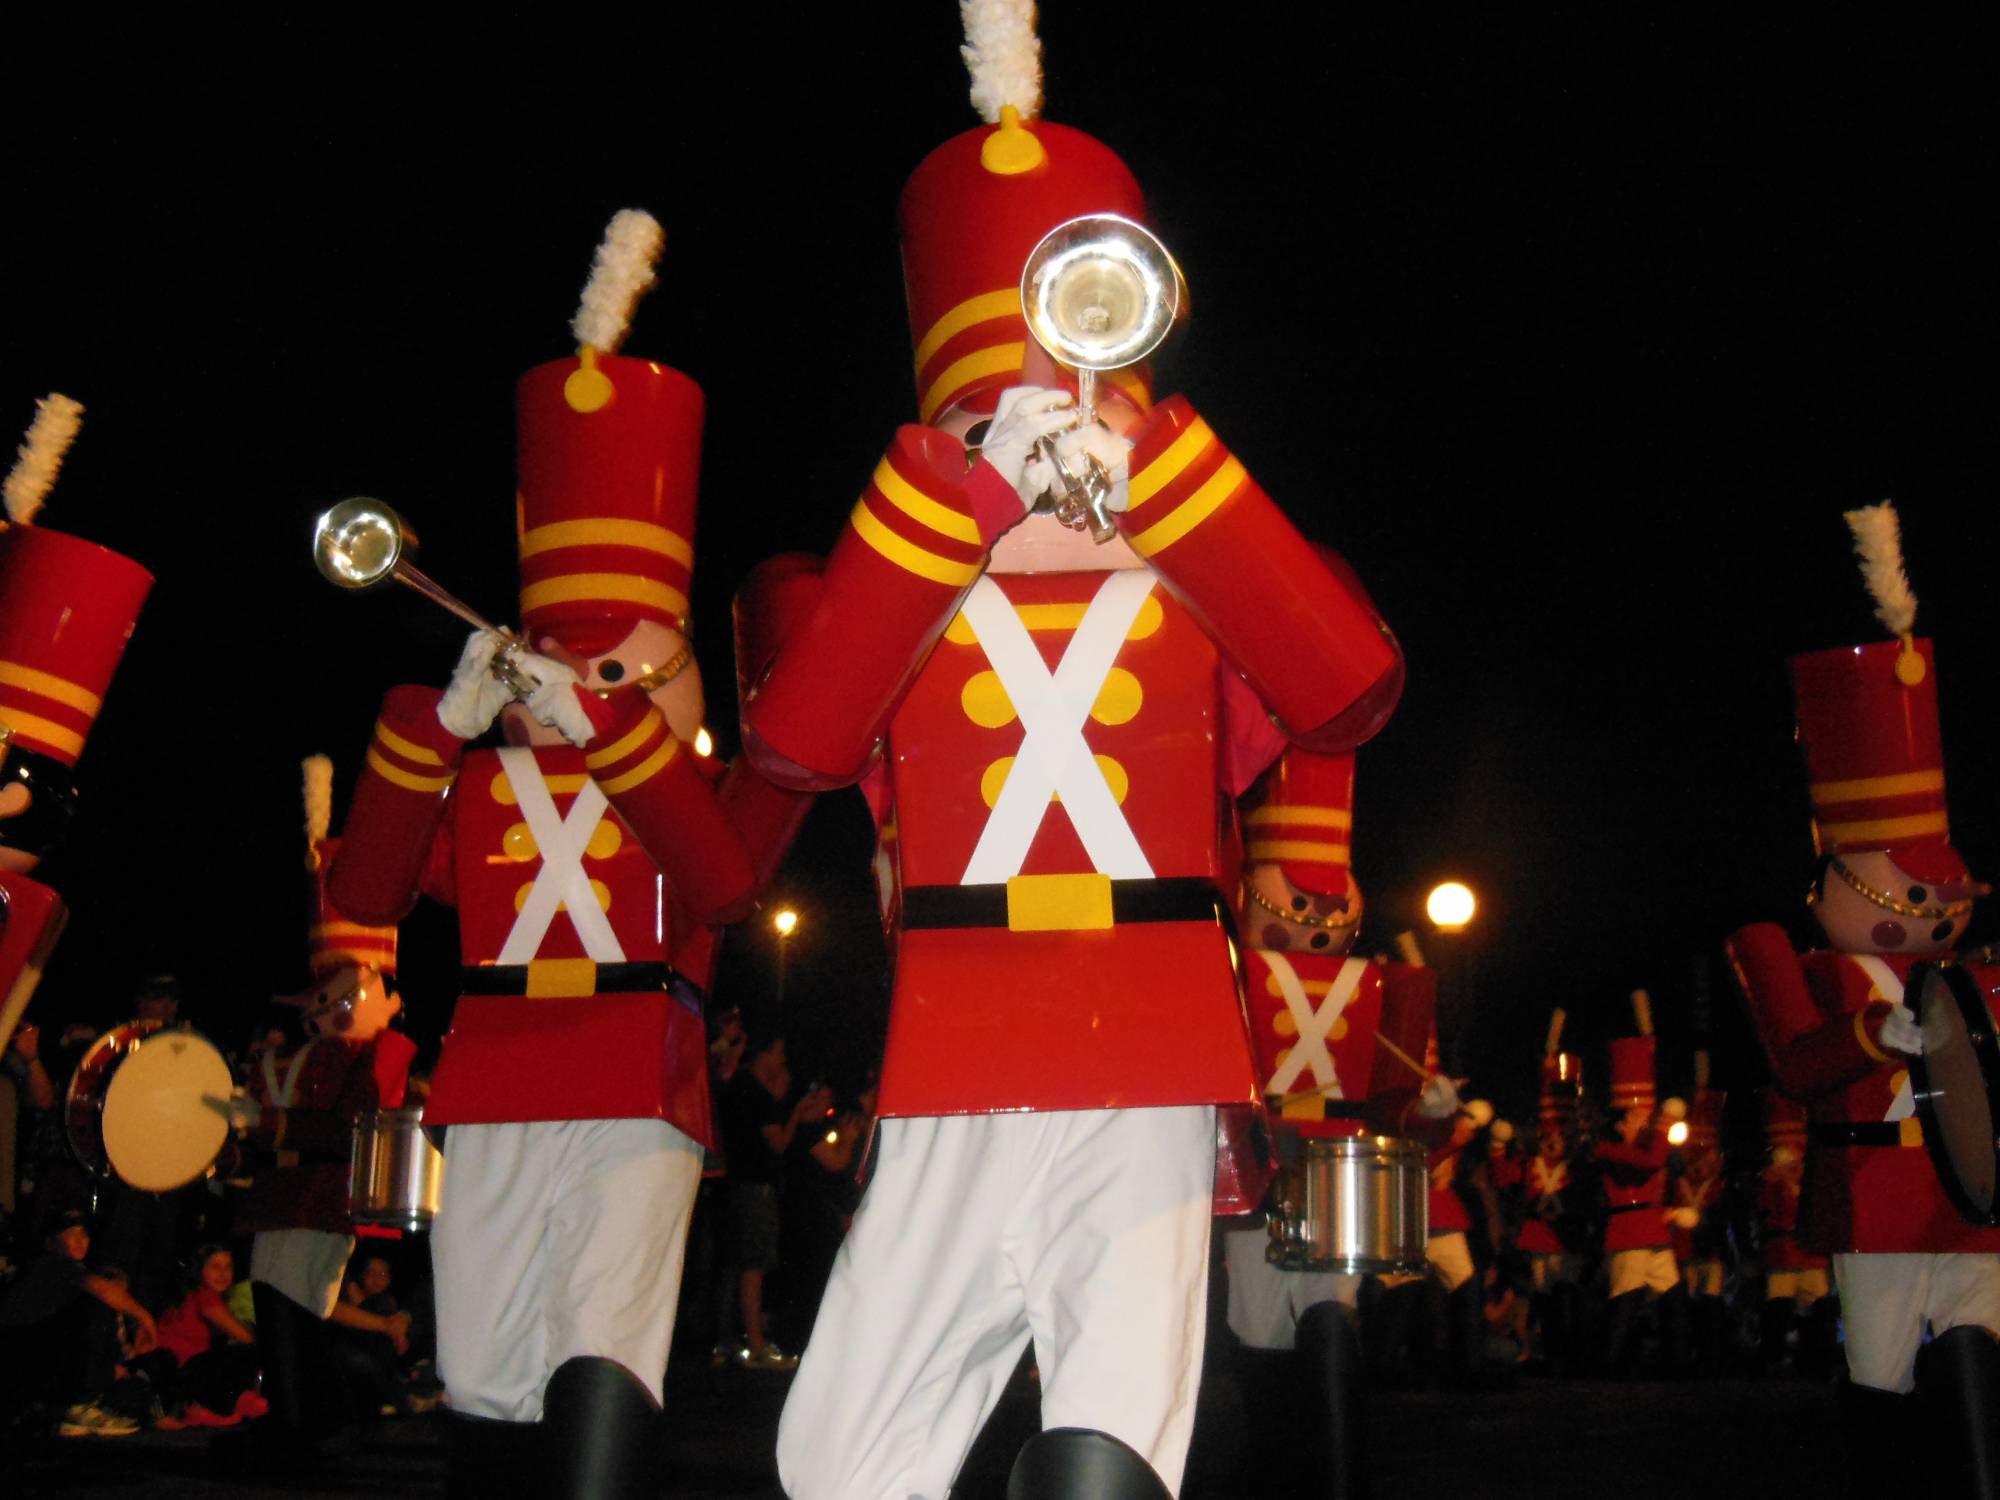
(396, 1176)
(1956, 1082)
(1356, 1204)
(135, 1106)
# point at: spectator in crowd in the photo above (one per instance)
(757, 1131)
(59, 1337)
(204, 1369)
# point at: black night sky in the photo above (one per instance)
(1575, 332)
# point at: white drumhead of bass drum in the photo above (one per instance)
(157, 1132)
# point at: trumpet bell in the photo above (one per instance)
(358, 543)
(1101, 292)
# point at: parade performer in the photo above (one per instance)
(1316, 1016)
(1892, 892)
(586, 860)
(1697, 1222)
(1633, 1168)
(1555, 1267)
(67, 608)
(1057, 731)
(1797, 1288)
(296, 1123)
(1449, 1246)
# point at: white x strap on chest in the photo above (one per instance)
(1890, 988)
(561, 880)
(1314, 1026)
(284, 1095)
(1054, 759)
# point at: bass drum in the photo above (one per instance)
(1356, 1204)
(1957, 1087)
(135, 1107)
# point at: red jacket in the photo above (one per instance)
(311, 1140)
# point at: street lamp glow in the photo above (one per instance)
(784, 921)
(1450, 906)
(1677, 1133)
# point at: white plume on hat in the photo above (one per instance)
(620, 276)
(1004, 56)
(57, 419)
(1878, 541)
(318, 771)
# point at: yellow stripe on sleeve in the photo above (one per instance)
(402, 778)
(907, 555)
(644, 771)
(1163, 470)
(1293, 812)
(1192, 511)
(919, 507)
(610, 755)
(408, 749)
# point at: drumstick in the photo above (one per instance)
(1390, 1047)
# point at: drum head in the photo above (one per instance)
(1957, 1087)
(157, 1132)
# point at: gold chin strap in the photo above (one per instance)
(659, 677)
(1937, 913)
(1300, 919)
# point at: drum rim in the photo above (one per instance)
(140, 1027)
(1979, 1025)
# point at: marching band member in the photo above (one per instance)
(67, 608)
(1056, 730)
(1449, 1245)
(1555, 1268)
(1696, 1223)
(1892, 892)
(1633, 1166)
(1316, 1015)
(297, 1125)
(587, 860)
(1797, 1291)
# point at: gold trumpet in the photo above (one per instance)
(1099, 293)
(361, 542)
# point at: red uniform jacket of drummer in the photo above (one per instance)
(1819, 1015)
(566, 1015)
(312, 1139)
(1543, 1184)
(1058, 786)
(1635, 1188)
(1314, 1019)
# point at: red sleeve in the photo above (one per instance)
(1810, 1051)
(393, 1054)
(31, 919)
(914, 544)
(1301, 632)
(399, 804)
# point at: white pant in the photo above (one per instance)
(1653, 1270)
(307, 1265)
(554, 1241)
(1265, 1302)
(1450, 1255)
(1885, 1301)
(1086, 1230)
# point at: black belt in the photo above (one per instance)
(612, 979)
(1180, 898)
(1632, 1208)
(1330, 1109)
(1869, 1133)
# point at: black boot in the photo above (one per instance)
(301, 1381)
(1875, 1467)
(485, 1457)
(603, 1432)
(1562, 1319)
(1398, 1339)
(1819, 1339)
(1963, 1385)
(1465, 1337)
(1075, 1463)
(1330, 1349)
(1711, 1336)
(1621, 1319)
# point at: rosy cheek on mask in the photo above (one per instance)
(1888, 935)
(1275, 936)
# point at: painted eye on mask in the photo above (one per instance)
(611, 671)
(975, 435)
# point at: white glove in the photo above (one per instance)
(1684, 1218)
(554, 702)
(1026, 414)
(1109, 449)
(1439, 1098)
(1901, 1033)
(475, 697)
(241, 1113)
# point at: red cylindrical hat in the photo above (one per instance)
(67, 608)
(606, 502)
(335, 941)
(1705, 1120)
(1632, 1073)
(1304, 824)
(1562, 1081)
(1874, 756)
(972, 212)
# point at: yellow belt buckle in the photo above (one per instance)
(561, 978)
(1058, 903)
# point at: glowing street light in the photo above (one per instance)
(1450, 906)
(784, 921)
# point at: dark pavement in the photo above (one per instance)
(1531, 1437)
